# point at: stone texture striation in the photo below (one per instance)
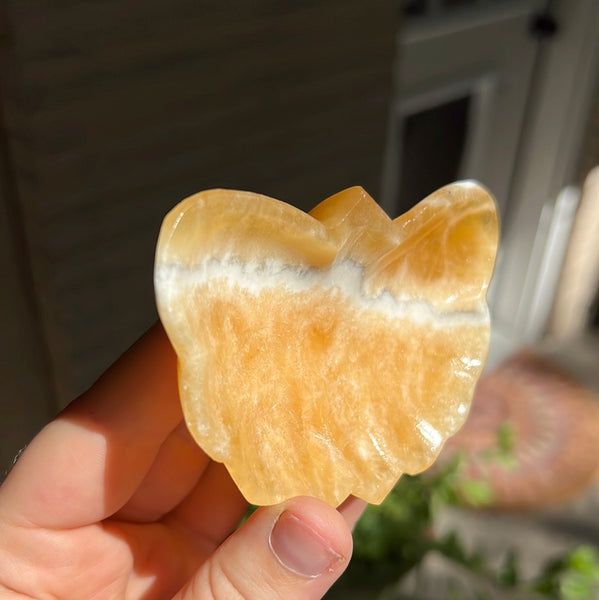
(327, 353)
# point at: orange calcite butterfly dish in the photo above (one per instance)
(326, 353)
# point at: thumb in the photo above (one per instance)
(296, 550)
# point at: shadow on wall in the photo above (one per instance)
(115, 111)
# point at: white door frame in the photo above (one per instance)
(567, 75)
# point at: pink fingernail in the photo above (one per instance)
(301, 549)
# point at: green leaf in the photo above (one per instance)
(506, 437)
(585, 560)
(509, 574)
(476, 492)
(574, 576)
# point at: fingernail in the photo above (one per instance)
(301, 549)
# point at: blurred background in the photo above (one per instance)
(111, 111)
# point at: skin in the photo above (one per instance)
(113, 500)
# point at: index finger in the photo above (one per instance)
(87, 463)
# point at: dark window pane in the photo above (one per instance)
(595, 313)
(414, 8)
(431, 150)
(449, 4)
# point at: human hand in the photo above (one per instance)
(113, 499)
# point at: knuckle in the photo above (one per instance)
(220, 583)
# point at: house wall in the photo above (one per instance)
(113, 111)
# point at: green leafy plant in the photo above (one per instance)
(392, 539)
(574, 576)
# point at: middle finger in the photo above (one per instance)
(176, 470)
